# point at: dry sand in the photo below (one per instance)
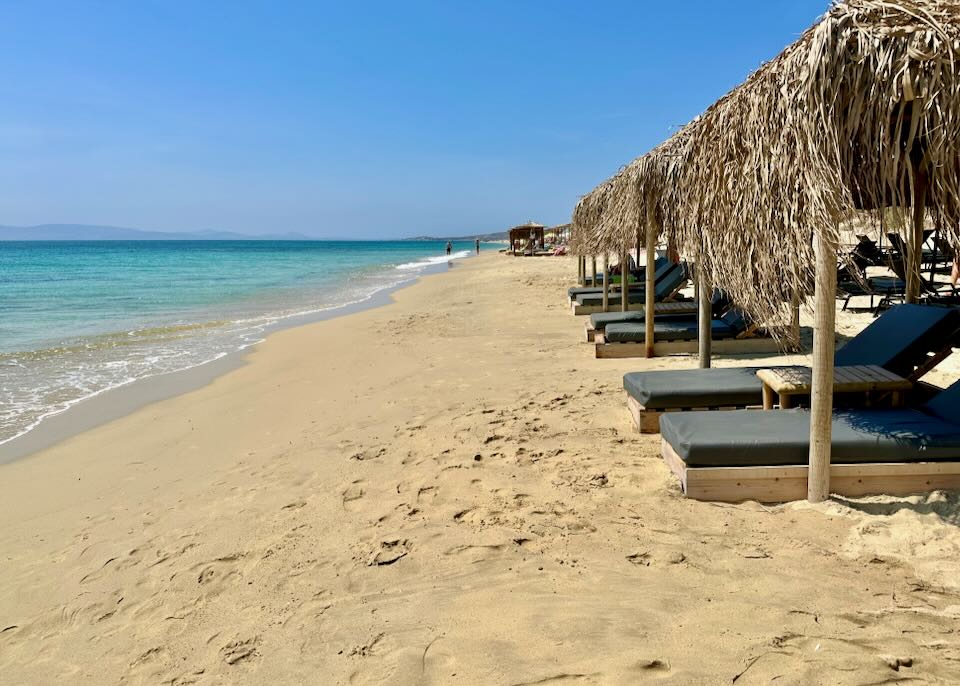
(446, 490)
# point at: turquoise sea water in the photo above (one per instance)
(79, 318)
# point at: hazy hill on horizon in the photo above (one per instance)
(96, 232)
(498, 236)
(90, 232)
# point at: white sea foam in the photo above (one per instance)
(437, 259)
(50, 382)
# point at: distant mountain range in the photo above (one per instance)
(499, 236)
(86, 232)
(89, 232)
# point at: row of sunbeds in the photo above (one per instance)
(623, 334)
(747, 454)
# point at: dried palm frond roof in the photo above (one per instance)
(842, 119)
(587, 218)
(614, 214)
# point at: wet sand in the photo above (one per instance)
(443, 490)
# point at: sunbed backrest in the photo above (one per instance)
(720, 301)
(901, 338)
(946, 404)
(670, 282)
(736, 319)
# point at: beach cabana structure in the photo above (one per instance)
(862, 112)
(529, 232)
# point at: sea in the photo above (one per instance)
(78, 318)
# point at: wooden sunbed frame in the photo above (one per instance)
(783, 484)
(747, 343)
(648, 421)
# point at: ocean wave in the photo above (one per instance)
(431, 261)
(45, 382)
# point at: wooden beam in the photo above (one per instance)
(606, 282)
(651, 308)
(704, 320)
(821, 393)
(795, 321)
(624, 275)
(915, 244)
(593, 274)
(579, 271)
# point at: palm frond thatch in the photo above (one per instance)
(844, 119)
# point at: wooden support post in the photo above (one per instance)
(606, 282)
(582, 270)
(705, 319)
(639, 245)
(593, 274)
(624, 275)
(915, 244)
(649, 288)
(821, 392)
(795, 321)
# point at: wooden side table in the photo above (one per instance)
(787, 382)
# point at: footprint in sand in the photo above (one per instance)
(240, 650)
(352, 494)
(389, 552)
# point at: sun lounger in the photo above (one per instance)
(668, 284)
(908, 340)
(663, 266)
(732, 333)
(728, 456)
(676, 310)
(639, 273)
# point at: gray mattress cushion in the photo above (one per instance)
(744, 438)
(695, 387)
(900, 339)
(600, 320)
(946, 404)
(679, 330)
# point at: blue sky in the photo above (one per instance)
(375, 119)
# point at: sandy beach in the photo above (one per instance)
(447, 489)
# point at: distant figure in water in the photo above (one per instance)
(478, 246)
(449, 247)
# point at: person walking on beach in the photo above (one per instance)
(478, 246)
(449, 247)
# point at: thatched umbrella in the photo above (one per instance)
(863, 111)
(636, 204)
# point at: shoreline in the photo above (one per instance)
(114, 403)
(447, 489)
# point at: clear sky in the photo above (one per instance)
(373, 119)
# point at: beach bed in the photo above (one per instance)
(597, 322)
(669, 282)
(663, 266)
(638, 273)
(729, 456)
(908, 340)
(674, 310)
(732, 333)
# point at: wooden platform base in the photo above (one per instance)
(589, 331)
(732, 346)
(648, 421)
(783, 484)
